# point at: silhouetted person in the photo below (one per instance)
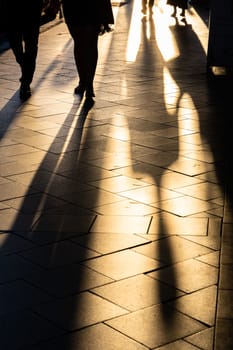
(22, 24)
(147, 4)
(86, 20)
(22, 29)
(182, 4)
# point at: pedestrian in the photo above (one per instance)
(182, 4)
(86, 20)
(147, 4)
(22, 26)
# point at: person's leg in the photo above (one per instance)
(15, 39)
(174, 11)
(91, 49)
(151, 4)
(85, 55)
(30, 37)
(144, 6)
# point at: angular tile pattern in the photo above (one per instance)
(116, 214)
(136, 325)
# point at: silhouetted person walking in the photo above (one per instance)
(86, 20)
(22, 24)
(182, 4)
(147, 4)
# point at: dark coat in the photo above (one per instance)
(88, 12)
(17, 12)
(183, 4)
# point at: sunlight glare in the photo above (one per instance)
(134, 36)
(171, 91)
(165, 40)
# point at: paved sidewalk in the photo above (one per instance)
(116, 216)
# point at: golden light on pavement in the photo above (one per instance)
(134, 37)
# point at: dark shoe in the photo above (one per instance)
(79, 90)
(174, 12)
(24, 92)
(182, 13)
(90, 92)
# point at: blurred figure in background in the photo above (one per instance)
(182, 4)
(147, 4)
(86, 20)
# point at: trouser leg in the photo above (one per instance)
(151, 3)
(15, 39)
(30, 37)
(85, 52)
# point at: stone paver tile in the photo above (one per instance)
(37, 124)
(17, 168)
(175, 225)
(227, 244)
(18, 295)
(126, 207)
(32, 158)
(225, 304)
(25, 328)
(105, 243)
(188, 276)
(118, 184)
(13, 220)
(122, 264)
(200, 305)
(204, 191)
(212, 242)
(227, 253)
(203, 155)
(97, 337)
(80, 310)
(211, 258)
(31, 204)
(10, 243)
(180, 249)
(223, 334)
(68, 280)
(38, 140)
(113, 162)
(14, 267)
(226, 277)
(185, 205)
(156, 325)
(177, 345)
(64, 223)
(58, 254)
(93, 198)
(190, 167)
(89, 173)
(13, 190)
(150, 194)
(121, 224)
(174, 181)
(203, 340)
(15, 150)
(39, 178)
(145, 172)
(137, 292)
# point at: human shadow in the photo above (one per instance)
(54, 209)
(159, 152)
(46, 260)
